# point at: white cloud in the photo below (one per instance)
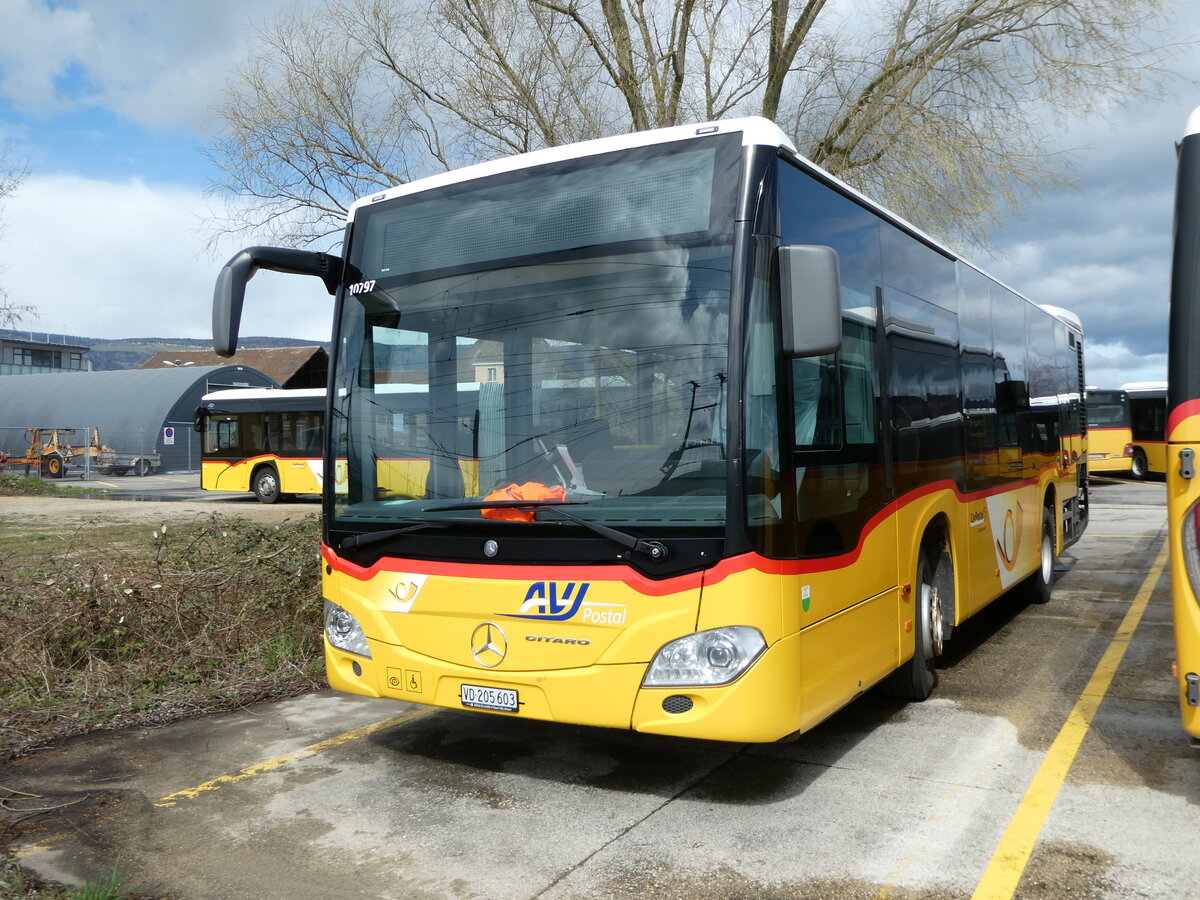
(36, 46)
(126, 260)
(161, 65)
(1111, 365)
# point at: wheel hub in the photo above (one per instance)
(935, 621)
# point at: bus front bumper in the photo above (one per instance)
(760, 706)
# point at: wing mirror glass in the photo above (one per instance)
(810, 294)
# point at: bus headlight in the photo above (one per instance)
(706, 657)
(344, 632)
(1190, 539)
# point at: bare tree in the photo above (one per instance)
(942, 109)
(12, 173)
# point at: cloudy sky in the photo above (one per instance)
(111, 101)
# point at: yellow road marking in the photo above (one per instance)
(1003, 874)
(280, 761)
(44, 846)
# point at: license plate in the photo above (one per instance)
(476, 696)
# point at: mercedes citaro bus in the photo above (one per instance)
(712, 443)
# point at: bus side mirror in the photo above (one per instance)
(810, 294)
(230, 291)
(198, 420)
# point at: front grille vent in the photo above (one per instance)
(677, 703)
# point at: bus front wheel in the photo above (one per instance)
(1139, 468)
(916, 679)
(266, 485)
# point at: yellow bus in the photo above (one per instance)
(262, 440)
(1148, 426)
(742, 443)
(1183, 429)
(1110, 440)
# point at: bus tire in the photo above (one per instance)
(1139, 468)
(916, 679)
(266, 485)
(1037, 586)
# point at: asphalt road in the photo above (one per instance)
(170, 486)
(1049, 763)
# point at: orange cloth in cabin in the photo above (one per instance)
(530, 490)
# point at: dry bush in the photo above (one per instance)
(157, 628)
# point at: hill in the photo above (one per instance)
(107, 354)
(129, 353)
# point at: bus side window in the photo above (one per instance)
(227, 434)
(816, 393)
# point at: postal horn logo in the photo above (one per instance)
(1009, 543)
(403, 593)
(489, 646)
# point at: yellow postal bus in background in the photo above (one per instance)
(1148, 427)
(269, 441)
(1110, 439)
(713, 444)
(262, 440)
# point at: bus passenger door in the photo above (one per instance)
(849, 635)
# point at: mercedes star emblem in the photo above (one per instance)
(489, 645)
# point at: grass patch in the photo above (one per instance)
(113, 629)
(17, 883)
(27, 486)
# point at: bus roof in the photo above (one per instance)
(1064, 315)
(754, 129)
(1144, 386)
(265, 394)
(1193, 123)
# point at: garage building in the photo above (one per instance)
(137, 410)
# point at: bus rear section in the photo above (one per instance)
(264, 440)
(1110, 438)
(1183, 430)
(708, 443)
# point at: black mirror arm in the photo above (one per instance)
(229, 295)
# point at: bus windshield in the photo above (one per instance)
(563, 330)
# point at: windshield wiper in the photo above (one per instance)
(654, 549)
(375, 537)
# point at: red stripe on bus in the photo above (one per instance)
(1181, 414)
(657, 588)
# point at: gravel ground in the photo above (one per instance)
(65, 513)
